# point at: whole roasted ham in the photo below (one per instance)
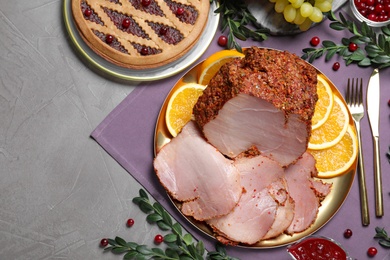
(195, 173)
(263, 102)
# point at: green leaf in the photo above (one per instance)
(381, 59)
(145, 207)
(143, 249)
(337, 26)
(143, 194)
(330, 54)
(200, 247)
(384, 243)
(177, 229)
(386, 30)
(167, 218)
(131, 245)
(357, 55)
(170, 238)
(154, 217)
(111, 241)
(365, 62)
(158, 208)
(187, 239)
(328, 44)
(119, 250)
(130, 255)
(163, 226)
(171, 253)
(120, 241)
(158, 251)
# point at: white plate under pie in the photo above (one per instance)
(165, 71)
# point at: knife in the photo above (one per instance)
(373, 95)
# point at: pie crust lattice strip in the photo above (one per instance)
(140, 34)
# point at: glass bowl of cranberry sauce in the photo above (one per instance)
(376, 13)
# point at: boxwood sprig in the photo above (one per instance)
(180, 246)
(384, 239)
(376, 46)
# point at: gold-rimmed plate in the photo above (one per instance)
(329, 206)
(110, 69)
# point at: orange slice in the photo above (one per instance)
(334, 128)
(324, 104)
(180, 105)
(213, 63)
(336, 160)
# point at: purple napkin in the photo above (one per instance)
(127, 134)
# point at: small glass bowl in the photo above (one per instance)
(306, 248)
(361, 18)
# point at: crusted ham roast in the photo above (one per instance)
(195, 173)
(264, 101)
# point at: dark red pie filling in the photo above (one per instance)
(114, 43)
(185, 13)
(89, 14)
(152, 7)
(145, 50)
(167, 34)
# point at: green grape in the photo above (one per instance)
(305, 25)
(316, 15)
(289, 13)
(299, 19)
(324, 6)
(297, 3)
(292, 1)
(280, 5)
(306, 9)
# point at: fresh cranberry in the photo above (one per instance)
(144, 51)
(145, 3)
(104, 242)
(222, 41)
(163, 30)
(352, 47)
(126, 23)
(180, 11)
(336, 66)
(372, 251)
(315, 41)
(347, 233)
(158, 239)
(109, 38)
(130, 222)
(372, 17)
(87, 12)
(370, 2)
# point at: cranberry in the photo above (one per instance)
(370, 2)
(130, 222)
(104, 242)
(315, 41)
(347, 233)
(126, 23)
(372, 251)
(222, 41)
(145, 3)
(87, 12)
(158, 239)
(109, 38)
(352, 47)
(336, 66)
(163, 30)
(144, 51)
(180, 11)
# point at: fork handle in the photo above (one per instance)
(377, 179)
(362, 182)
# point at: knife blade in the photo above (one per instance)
(373, 97)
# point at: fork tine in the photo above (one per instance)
(353, 95)
(361, 92)
(347, 96)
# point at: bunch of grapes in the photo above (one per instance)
(302, 12)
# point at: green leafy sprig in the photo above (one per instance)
(179, 246)
(239, 21)
(376, 51)
(384, 239)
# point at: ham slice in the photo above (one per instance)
(304, 193)
(265, 100)
(264, 201)
(195, 173)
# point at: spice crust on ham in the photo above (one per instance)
(265, 100)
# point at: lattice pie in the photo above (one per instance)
(140, 34)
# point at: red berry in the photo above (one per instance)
(372, 251)
(163, 30)
(180, 11)
(87, 12)
(336, 66)
(126, 23)
(352, 47)
(145, 3)
(347, 233)
(158, 239)
(315, 41)
(109, 38)
(104, 242)
(222, 41)
(130, 222)
(144, 51)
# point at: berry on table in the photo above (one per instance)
(222, 41)
(372, 251)
(104, 242)
(352, 47)
(130, 222)
(158, 239)
(347, 233)
(315, 41)
(336, 66)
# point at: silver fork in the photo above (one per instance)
(354, 99)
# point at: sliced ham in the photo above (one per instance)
(265, 100)
(300, 186)
(197, 174)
